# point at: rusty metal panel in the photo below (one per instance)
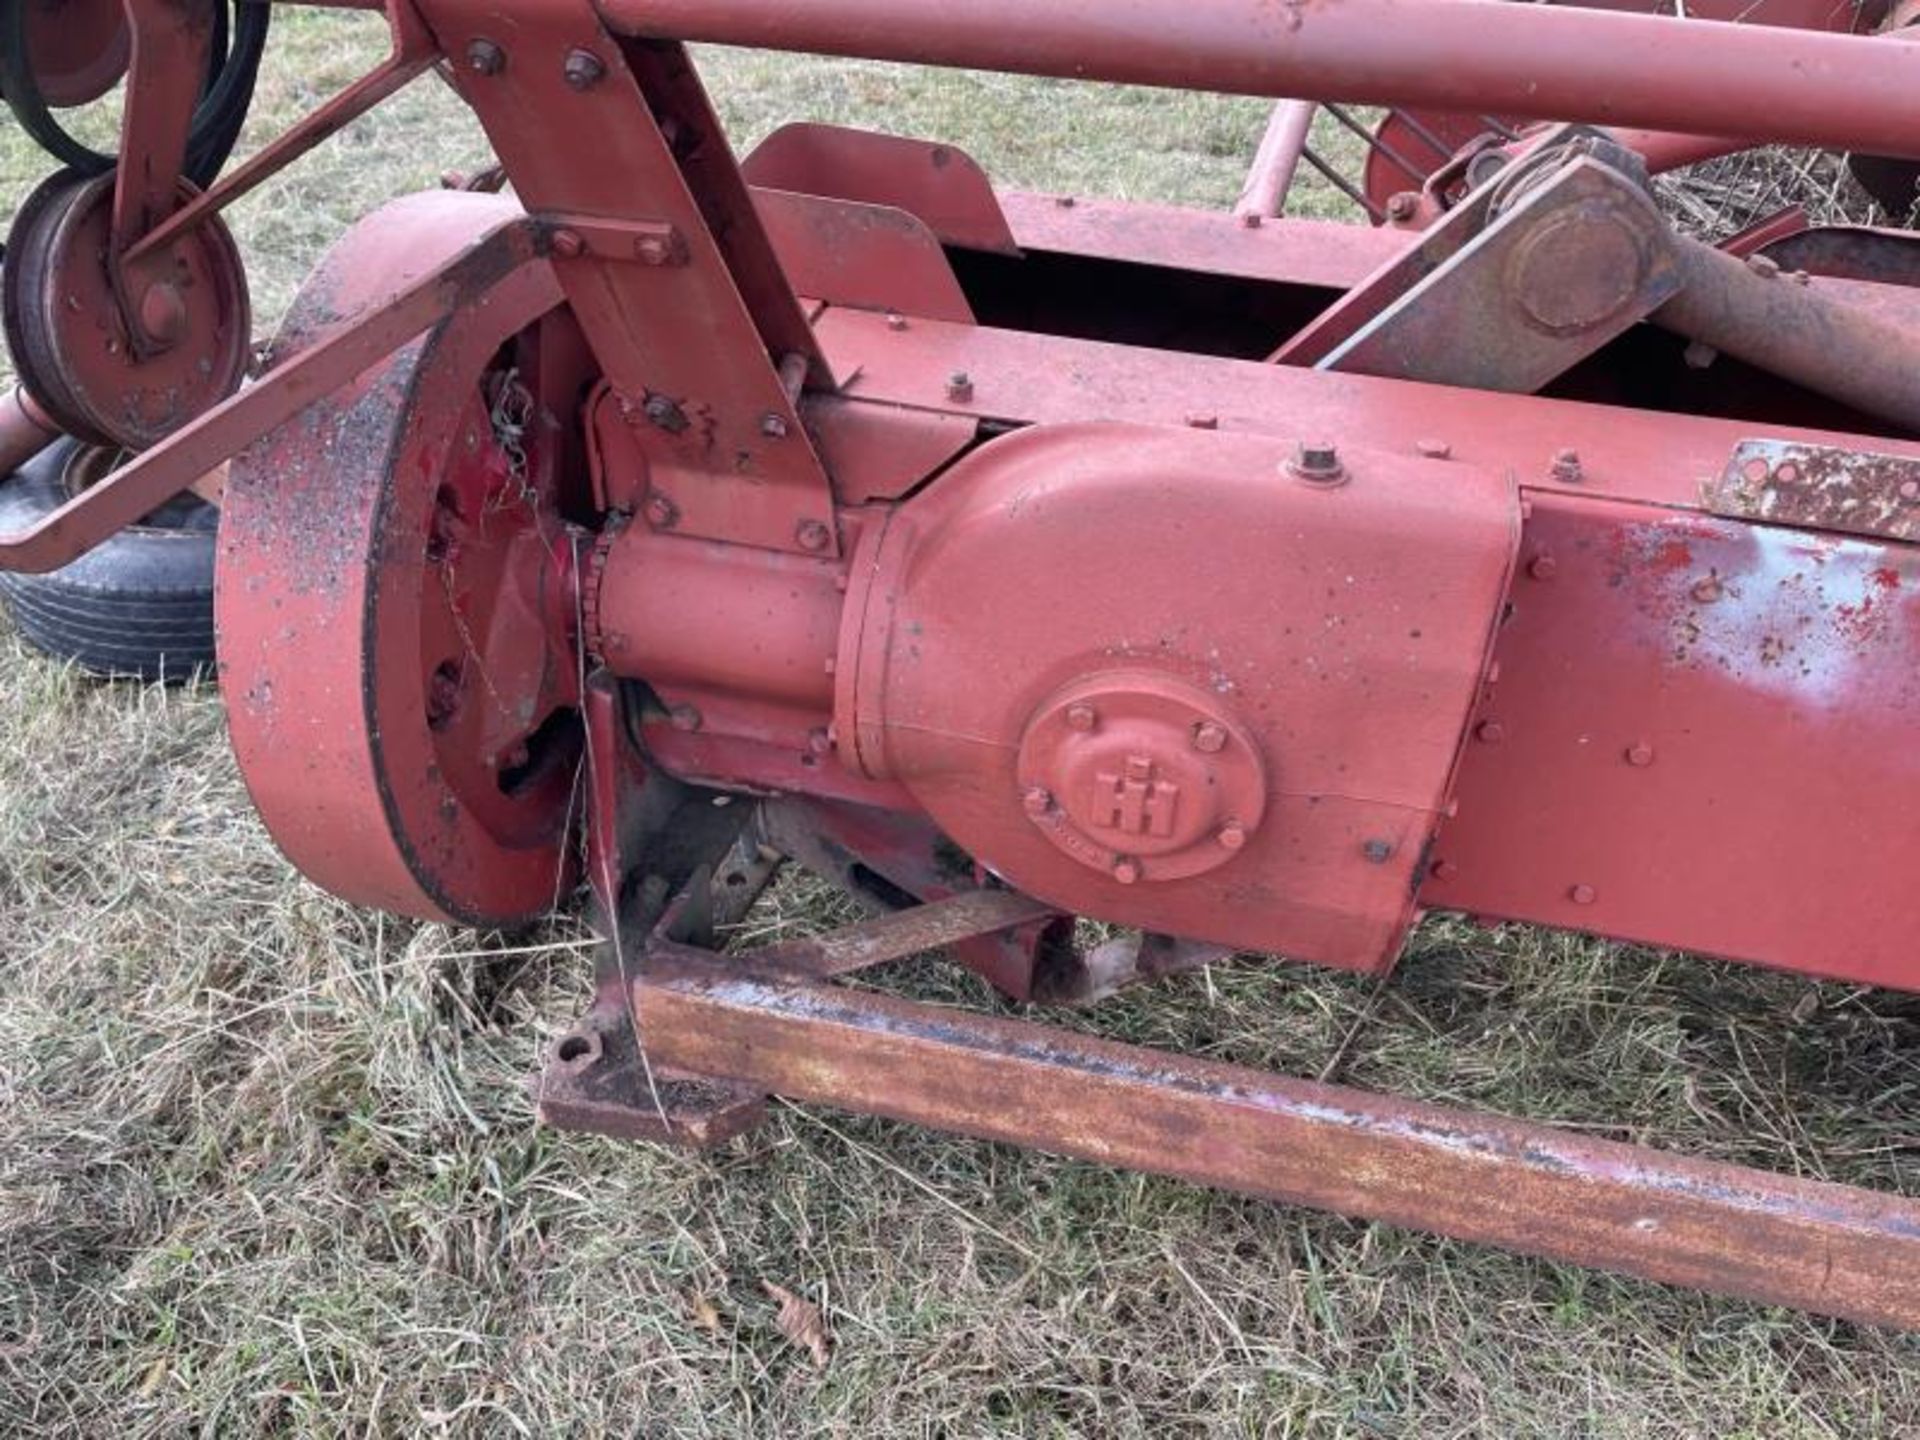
(1527, 1187)
(1702, 737)
(1820, 487)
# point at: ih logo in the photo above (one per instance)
(1133, 802)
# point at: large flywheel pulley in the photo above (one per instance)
(396, 593)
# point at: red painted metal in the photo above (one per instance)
(966, 549)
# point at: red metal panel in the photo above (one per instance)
(1702, 737)
(1169, 678)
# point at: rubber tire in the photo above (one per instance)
(139, 606)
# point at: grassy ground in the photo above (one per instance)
(266, 1166)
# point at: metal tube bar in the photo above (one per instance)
(1271, 175)
(1753, 310)
(1541, 61)
(1527, 1187)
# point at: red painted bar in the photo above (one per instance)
(1543, 61)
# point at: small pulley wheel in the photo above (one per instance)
(70, 340)
(77, 49)
(396, 592)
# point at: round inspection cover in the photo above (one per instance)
(69, 340)
(1142, 777)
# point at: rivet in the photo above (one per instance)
(1082, 717)
(583, 69)
(684, 717)
(1543, 567)
(485, 58)
(1378, 851)
(812, 535)
(1232, 835)
(567, 244)
(1567, 468)
(1640, 753)
(1490, 732)
(1209, 738)
(1126, 871)
(661, 512)
(1036, 800)
(1582, 895)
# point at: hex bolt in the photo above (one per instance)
(1582, 895)
(1764, 266)
(660, 410)
(1403, 206)
(812, 535)
(1433, 449)
(1209, 737)
(1202, 420)
(1543, 567)
(568, 244)
(1232, 835)
(1082, 717)
(163, 312)
(773, 426)
(960, 387)
(485, 58)
(685, 718)
(1378, 852)
(1126, 871)
(1699, 355)
(583, 70)
(1317, 463)
(1640, 753)
(1489, 732)
(1252, 220)
(896, 321)
(655, 250)
(820, 741)
(1567, 468)
(661, 512)
(1444, 870)
(1036, 800)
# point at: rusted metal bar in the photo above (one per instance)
(157, 475)
(938, 923)
(1792, 326)
(1535, 61)
(1528, 1187)
(1271, 175)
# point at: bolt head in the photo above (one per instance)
(1036, 800)
(1444, 870)
(959, 386)
(1082, 717)
(684, 718)
(1202, 420)
(163, 312)
(773, 426)
(1232, 835)
(583, 69)
(1582, 895)
(1490, 732)
(1252, 220)
(819, 741)
(1708, 590)
(1378, 852)
(1209, 738)
(485, 58)
(568, 244)
(1317, 463)
(1765, 266)
(1433, 449)
(812, 535)
(896, 321)
(1127, 872)
(1543, 567)
(661, 512)
(1403, 206)
(1566, 466)
(1640, 753)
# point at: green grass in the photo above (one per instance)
(266, 1165)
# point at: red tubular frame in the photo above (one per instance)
(1538, 61)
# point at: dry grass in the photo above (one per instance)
(266, 1167)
